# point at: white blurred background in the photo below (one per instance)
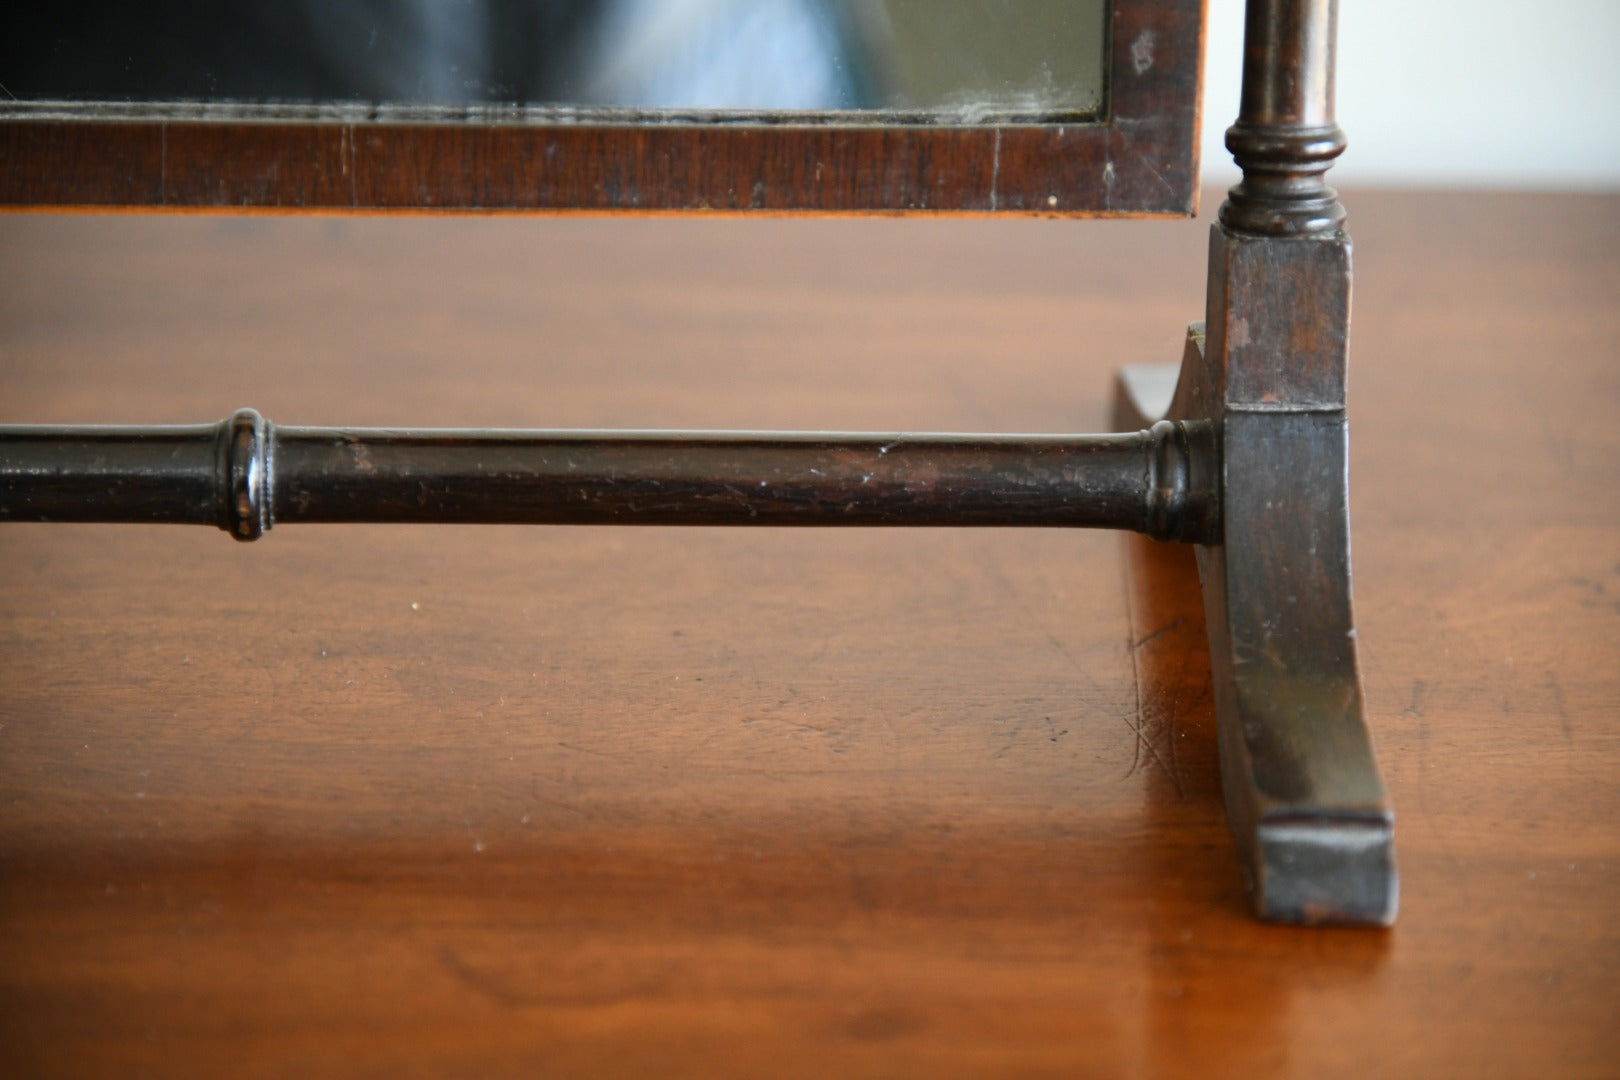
(1502, 94)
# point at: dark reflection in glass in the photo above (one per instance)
(963, 60)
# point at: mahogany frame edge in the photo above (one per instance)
(1140, 161)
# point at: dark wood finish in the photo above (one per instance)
(1267, 371)
(1286, 136)
(245, 475)
(854, 803)
(1141, 160)
(1306, 802)
(1313, 819)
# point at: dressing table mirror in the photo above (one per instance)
(1073, 108)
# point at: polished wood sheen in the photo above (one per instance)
(516, 800)
(1286, 137)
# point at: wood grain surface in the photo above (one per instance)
(507, 801)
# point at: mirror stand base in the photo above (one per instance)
(1303, 792)
(1248, 463)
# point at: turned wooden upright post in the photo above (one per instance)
(1303, 792)
(1285, 137)
(1302, 787)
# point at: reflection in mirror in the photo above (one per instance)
(967, 61)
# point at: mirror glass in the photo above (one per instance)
(928, 61)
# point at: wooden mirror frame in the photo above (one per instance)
(1140, 159)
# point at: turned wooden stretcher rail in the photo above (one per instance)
(246, 475)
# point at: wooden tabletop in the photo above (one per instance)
(507, 801)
